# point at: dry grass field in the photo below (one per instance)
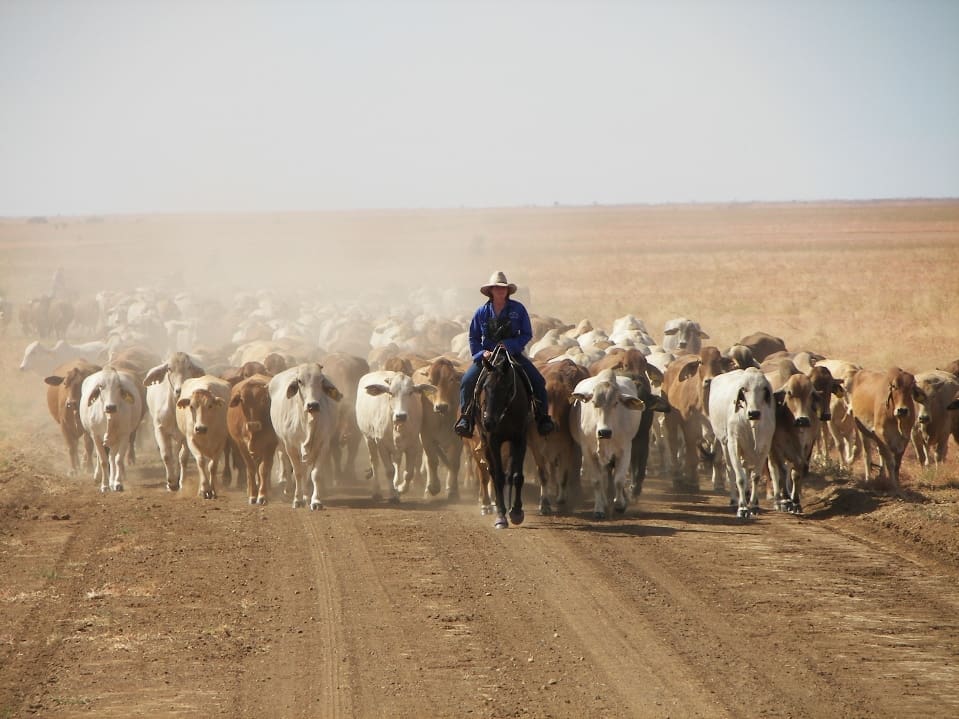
(146, 604)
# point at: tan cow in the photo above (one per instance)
(251, 429)
(840, 428)
(884, 408)
(63, 401)
(201, 417)
(557, 455)
(440, 443)
(344, 371)
(686, 387)
(930, 435)
(762, 344)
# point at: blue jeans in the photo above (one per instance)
(468, 384)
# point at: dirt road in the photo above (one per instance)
(151, 604)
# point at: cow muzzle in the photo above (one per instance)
(825, 416)
(313, 407)
(902, 411)
(200, 429)
(604, 433)
(801, 421)
(399, 418)
(755, 414)
(924, 419)
(110, 409)
(441, 408)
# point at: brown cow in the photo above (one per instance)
(884, 408)
(251, 429)
(800, 408)
(686, 387)
(930, 435)
(840, 428)
(557, 456)
(440, 443)
(63, 401)
(762, 345)
(345, 371)
(632, 363)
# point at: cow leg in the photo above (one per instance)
(452, 460)
(73, 450)
(165, 444)
(431, 459)
(252, 476)
(102, 469)
(316, 477)
(183, 459)
(371, 472)
(639, 453)
(777, 473)
(263, 471)
(88, 452)
(620, 475)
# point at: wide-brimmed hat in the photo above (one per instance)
(498, 279)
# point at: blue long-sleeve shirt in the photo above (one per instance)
(516, 338)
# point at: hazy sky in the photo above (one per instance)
(203, 105)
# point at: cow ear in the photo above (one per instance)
(838, 389)
(653, 374)
(94, 396)
(780, 395)
(703, 335)
(580, 397)
(634, 403)
(689, 370)
(669, 332)
(219, 401)
(156, 375)
(375, 390)
(236, 400)
(53, 380)
(954, 404)
(728, 364)
(740, 398)
(183, 402)
(332, 392)
(427, 389)
(292, 389)
(918, 395)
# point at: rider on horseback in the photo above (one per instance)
(501, 321)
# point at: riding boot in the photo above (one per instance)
(544, 423)
(464, 425)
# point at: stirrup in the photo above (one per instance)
(463, 426)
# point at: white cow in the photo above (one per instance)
(164, 384)
(201, 418)
(683, 334)
(43, 360)
(743, 416)
(304, 417)
(389, 413)
(930, 434)
(603, 421)
(110, 411)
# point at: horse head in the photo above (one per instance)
(503, 398)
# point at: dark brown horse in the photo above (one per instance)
(503, 406)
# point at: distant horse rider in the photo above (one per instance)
(502, 321)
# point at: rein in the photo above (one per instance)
(497, 352)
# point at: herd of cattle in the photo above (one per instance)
(300, 384)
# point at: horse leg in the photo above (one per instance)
(495, 460)
(517, 457)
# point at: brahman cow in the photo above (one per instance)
(164, 384)
(884, 408)
(440, 443)
(557, 455)
(63, 401)
(43, 360)
(303, 412)
(389, 413)
(683, 335)
(201, 418)
(604, 418)
(632, 363)
(686, 386)
(743, 418)
(111, 408)
(930, 435)
(251, 429)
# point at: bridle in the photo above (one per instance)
(495, 364)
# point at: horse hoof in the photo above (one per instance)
(500, 523)
(433, 489)
(517, 517)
